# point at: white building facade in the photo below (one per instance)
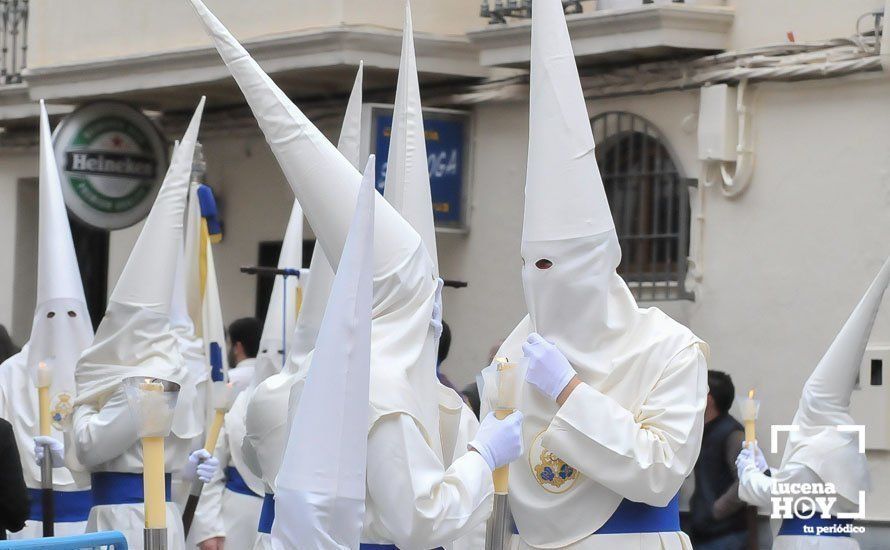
(744, 145)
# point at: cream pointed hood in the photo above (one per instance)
(322, 179)
(277, 329)
(135, 337)
(325, 183)
(61, 327)
(321, 275)
(320, 490)
(407, 185)
(825, 402)
(577, 300)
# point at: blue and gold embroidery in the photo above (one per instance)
(61, 410)
(550, 471)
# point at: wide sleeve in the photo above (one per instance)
(14, 506)
(104, 434)
(419, 502)
(643, 457)
(208, 522)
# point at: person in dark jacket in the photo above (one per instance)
(7, 346)
(716, 514)
(14, 504)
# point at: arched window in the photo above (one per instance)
(649, 199)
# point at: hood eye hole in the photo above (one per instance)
(72, 314)
(51, 314)
(543, 263)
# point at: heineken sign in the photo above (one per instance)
(112, 161)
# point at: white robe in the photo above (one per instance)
(225, 513)
(17, 391)
(756, 488)
(106, 441)
(449, 502)
(621, 443)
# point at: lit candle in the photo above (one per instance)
(508, 384)
(44, 381)
(154, 410)
(750, 408)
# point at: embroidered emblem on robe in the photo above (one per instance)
(61, 409)
(550, 471)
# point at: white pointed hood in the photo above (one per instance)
(574, 295)
(277, 329)
(325, 183)
(135, 337)
(187, 425)
(407, 185)
(320, 490)
(825, 402)
(61, 327)
(269, 403)
(321, 275)
(564, 195)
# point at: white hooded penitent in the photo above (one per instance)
(135, 337)
(267, 417)
(825, 403)
(320, 491)
(577, 301)
(326, 183)
(60, 329)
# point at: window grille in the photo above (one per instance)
(13, 40)
(649, 199)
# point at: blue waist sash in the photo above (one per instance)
(235, 483)
(816, 526)
(636, 517)
(70, 506)
(111, 488)
(267, 514)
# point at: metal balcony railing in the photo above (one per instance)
(13, 40)
(498, 11)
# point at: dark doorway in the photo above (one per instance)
(268, 257)
(91, 247)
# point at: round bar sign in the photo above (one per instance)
(112, 161)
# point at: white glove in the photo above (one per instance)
(436, 320)
(548, 369)
(201, 464)
(499, 441)
(750, 457)
(56, 450)
(759, 459)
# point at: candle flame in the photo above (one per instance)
(751, 394)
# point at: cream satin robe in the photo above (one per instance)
(16, 389)
(225, 513)
(620, 445)
(107, 441)
(446, 502)
(756, 488)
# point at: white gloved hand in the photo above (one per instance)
(436, 319)
(759, 459)
(548, 369)
(201, 464)
(745, 461)
(56, 450)
(499, 441)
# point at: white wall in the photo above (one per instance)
(13, 166)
